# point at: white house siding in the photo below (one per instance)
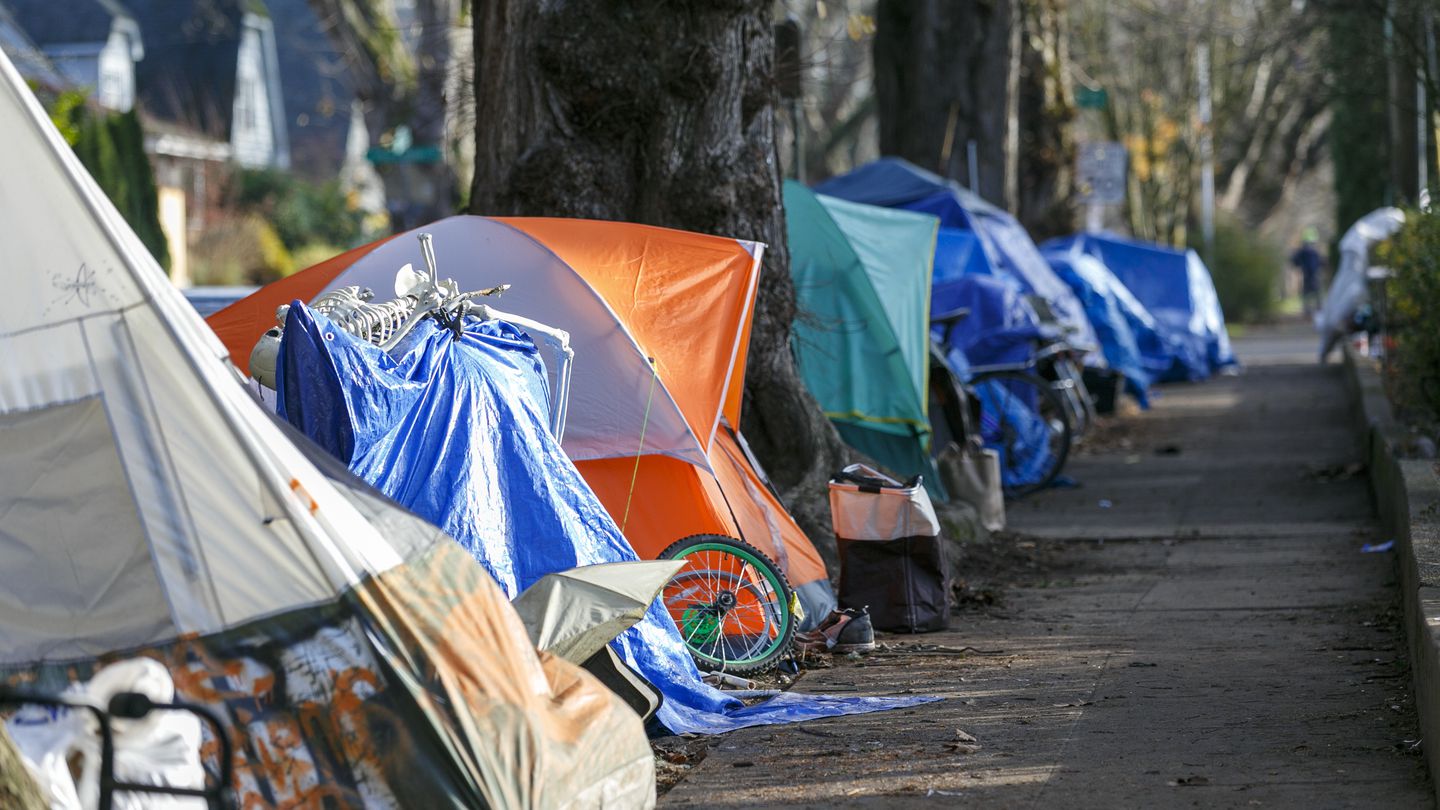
(115, 89)
(252, 133)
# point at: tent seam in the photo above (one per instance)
(129, 483)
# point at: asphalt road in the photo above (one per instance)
(1194, 626)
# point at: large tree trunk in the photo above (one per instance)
(945, 75)
(1045, 205)
(660, 113)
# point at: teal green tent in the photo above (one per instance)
(862, 277)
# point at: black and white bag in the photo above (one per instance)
(891, 556)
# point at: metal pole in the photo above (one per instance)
(972, 154)
(1392, 120)
(1422, 140)
(1207, 153)
(1432, 73)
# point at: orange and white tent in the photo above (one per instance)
(660, 323)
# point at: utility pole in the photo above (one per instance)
(1207, 153)
(972, 156)
(1432, 72)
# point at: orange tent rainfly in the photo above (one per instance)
(660, 323)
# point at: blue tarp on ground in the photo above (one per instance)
(1126, 330)
(897, 183)
(455, 429)
(1176, 288)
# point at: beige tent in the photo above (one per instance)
(149, 507)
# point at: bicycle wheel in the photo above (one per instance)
(1027, 422)
(731, 603)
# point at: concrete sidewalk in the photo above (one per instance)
(1213, 637)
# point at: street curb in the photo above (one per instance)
(1407, 499)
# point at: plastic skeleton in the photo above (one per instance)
(418, 296)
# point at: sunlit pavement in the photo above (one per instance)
(1203, 632)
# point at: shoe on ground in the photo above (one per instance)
(842, 631)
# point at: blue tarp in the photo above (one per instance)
(454, 429)
(1008, 248)
(1126, 330)
(959, 253)
(1176, 288)
(1000, 329)
(1025, 449)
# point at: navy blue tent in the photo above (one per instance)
(1175, 286)
(897, 183)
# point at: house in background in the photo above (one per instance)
(317, 89)
(217, 86)
(211, 70)
(328, 138)
(34, 67)
(210, 100)
(92, 43)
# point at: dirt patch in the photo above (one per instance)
(991, 566)
(675, 757)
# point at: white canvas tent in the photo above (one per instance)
(149, 507)
(1348, 290)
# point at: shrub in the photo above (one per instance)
(1246, 268)
(240, 250)
(302, 213)
(112, 148)
(313, 254)
(1414, 298)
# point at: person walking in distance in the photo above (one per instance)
(1308, 260)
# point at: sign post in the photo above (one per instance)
(1100, 179)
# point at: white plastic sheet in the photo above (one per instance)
(1348, 290)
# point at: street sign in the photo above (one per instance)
(1087, 98)
(1100, 172)
(415, 154)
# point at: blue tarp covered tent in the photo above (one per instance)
(455, 429)
(960, 253)
(1176, 288)
(1002, 326)
(1001, 329)
(896, 183)
(1127, 332)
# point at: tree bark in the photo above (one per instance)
(660, 113)
(945, 73)
(1045, 204)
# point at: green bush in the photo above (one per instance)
(112, 147)
(240, 250)
(302, 213)
(1246, 268)
(1414, 298)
